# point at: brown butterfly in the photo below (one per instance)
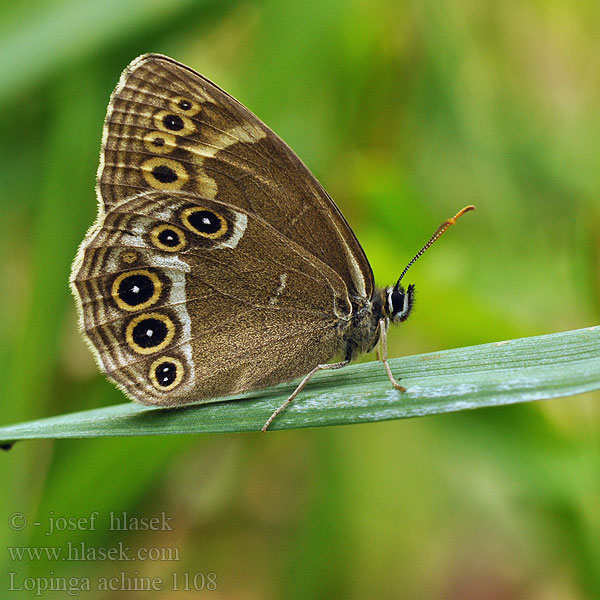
(217, 264)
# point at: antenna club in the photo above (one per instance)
(461, 212)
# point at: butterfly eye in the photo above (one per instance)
(181, 104)
(166, 373)
(400, 303)
(168, 237)
(149, 333)
(204, 222)
(136, 290)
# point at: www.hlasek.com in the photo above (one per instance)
(81, 551)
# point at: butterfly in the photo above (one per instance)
(218, 264)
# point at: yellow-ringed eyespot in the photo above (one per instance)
(129, 257)
(178, 124)
(136, 290)
(149, 332)
(168, 237)
(166, 373)
(204, 222)
(160, 142)
(164, 173)
(181, 104)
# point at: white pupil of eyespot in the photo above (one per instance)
(135, 289)
(206, 221)
(149, 332)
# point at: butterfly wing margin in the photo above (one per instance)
(169, 128)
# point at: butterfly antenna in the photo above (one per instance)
(434, 238)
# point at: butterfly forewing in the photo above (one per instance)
(170, 129)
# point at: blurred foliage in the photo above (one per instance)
(405, 112)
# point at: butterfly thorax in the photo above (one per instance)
(390, 303)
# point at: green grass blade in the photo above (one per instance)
(521, 370)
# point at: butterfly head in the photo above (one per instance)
(399, 302)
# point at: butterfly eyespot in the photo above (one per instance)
(180, 104)
(204, 222)
(160, 142)
(149, 333)
(171, 122)
(166, 373)
(129, 257)
(164, 173)
(168, 237)
(136, 290)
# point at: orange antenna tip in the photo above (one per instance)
(461, 212)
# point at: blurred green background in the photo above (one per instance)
(405, 111)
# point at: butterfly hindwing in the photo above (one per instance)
(181, 302)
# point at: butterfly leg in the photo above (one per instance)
(301, 385)
(384, 325)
